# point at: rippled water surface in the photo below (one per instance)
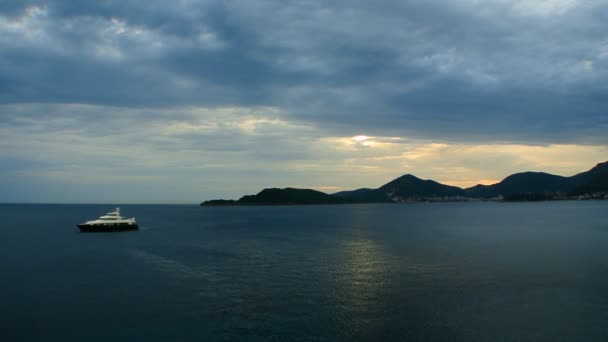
(420, 272)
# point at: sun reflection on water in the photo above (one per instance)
(361, 277)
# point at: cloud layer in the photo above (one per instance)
(273, 92)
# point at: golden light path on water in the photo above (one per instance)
(362, 275)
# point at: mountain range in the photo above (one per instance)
(519, 186)
(409, 188)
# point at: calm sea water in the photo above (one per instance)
(421, 272)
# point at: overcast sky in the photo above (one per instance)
(182, 101)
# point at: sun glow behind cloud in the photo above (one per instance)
(461, 164)
(201, 152)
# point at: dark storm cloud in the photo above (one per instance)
(15, 7)
(451, 70)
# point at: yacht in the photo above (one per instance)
(110, 222)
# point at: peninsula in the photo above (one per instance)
(286, 196)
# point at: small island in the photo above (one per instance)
(286, 196)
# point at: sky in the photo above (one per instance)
(183, 101)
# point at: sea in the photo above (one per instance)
(367, 272)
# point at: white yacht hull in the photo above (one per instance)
(107, 227)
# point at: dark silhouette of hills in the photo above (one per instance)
(520, 186)
(364, 195)
(540, 183)
(412, 186)
(525, 182)
(405, 188)
(276, 196)
(594, 180)
(524, 186)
